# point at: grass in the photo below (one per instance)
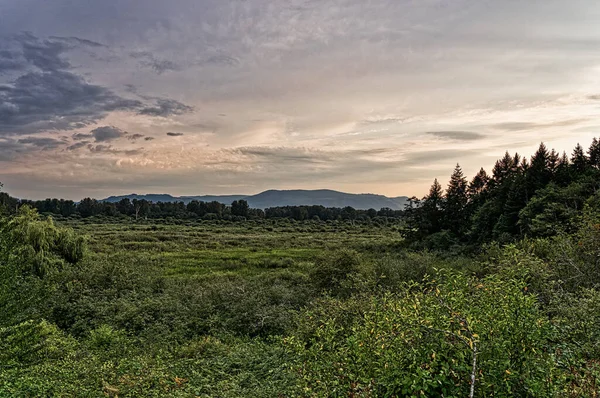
(248, 248)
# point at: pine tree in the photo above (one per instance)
(579, 162)
(432, 208)
(502, 169)
(478, 184)
(456, 201)
(538, 173)
(507, 226)
(594, 153)
(562, 175)
(553, 161)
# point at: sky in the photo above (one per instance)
(192, 97)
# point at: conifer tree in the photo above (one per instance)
(455, 201)
(538, 173)
(478, 184)
(579, 162)
(594, 153)
(562, 175)
(432, 208)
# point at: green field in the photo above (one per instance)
(279, 308)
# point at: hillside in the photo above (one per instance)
(274, 198)
(324, 197)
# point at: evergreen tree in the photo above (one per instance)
(478, 184)
(538, 173)
(594, 153)
(432, 208)
(502, 169)
(507, 227)
(456, 201)
(562, 175)
(553, 161)
(579, 162)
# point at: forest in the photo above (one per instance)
(486, 288)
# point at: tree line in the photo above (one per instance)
(238, 210)
(522, 197)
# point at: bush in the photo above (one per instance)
(332, 272)
(421, 342)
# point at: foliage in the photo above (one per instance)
(279, 307)
(420, 341)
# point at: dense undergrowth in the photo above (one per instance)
(292, 309)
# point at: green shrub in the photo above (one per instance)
(332, 272)
(420, 342)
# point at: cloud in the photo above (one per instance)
(107, 133)
(457, 135)
(172, 134)
(134, 137)
(166, 107)
(77, 145)
(76, 41)
(435, 156)
(222, 59)
(42, 142)
(102, 148)
(520, 126)
(49, 95)
(82, 136)
(147, 59)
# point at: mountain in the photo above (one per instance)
(324, 197)
(296, 197)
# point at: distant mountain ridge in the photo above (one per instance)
(295, 197)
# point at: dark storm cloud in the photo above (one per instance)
(44, 54)
(48, 95)
(10, 60)
(107, 133)
(172, 134)
(147, 59)
(56, 100)
(42, 142)
(457, 135)
(11, 148)
(166, 107)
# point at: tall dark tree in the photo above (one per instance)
(455, 201)
(432, 208)
(553, 161)
(562, 174)
(507, 227)
(478, 184)
(538, 174)
(579, 162)
(594, 153)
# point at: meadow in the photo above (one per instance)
(102, 307)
